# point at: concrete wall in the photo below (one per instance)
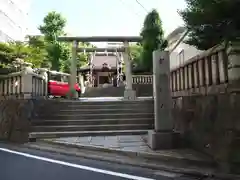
(15, 116)
(143, 90)
(211, 124)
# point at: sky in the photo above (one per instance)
(106, 17)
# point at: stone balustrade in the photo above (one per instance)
(214, 71)
(143, 85)
(22, 85)
(142, 79)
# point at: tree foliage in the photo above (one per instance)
(152, 38)
(37, 44)
(82, 59)
(135, 54)
(211, 22)
(52, 27)
(9, 52)
(6, 54)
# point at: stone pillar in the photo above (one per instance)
(44, 74)
(162, 135)
(73, 70)
(81, 82)
(118, 68)
(129, 93)
(91, 79)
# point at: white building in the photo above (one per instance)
(183, 52)
(13, 19)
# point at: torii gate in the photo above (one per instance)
(129, 93)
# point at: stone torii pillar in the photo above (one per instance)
(129, 93)
(73, 70)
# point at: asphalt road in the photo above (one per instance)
(26, 164)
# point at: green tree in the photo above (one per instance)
(37, 52)
(11, 51)
(6, 54)
(20, 49)
(82, 59)
(152, 38)
(135, 54)
(53, 26)
(36, 41)
(211, 22)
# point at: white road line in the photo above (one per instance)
(127, 176)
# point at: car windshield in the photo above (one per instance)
(59, 77)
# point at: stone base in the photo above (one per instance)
(160, 140)
(129, 94)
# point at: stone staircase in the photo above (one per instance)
(142, 90)
(76, 118)
(109, 91)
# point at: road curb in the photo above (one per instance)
(148, 165)
(129, 153)
(190, 172)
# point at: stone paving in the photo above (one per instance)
(135, 143)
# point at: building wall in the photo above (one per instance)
(182, 53)
(13, 19)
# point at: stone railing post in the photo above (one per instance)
(44, 75)
(162, 135)
(233, 53)
(27, 84)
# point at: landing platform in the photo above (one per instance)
(107, 99)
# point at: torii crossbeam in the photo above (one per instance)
(111, 50)
(102, 39)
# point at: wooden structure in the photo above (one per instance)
(103, 68)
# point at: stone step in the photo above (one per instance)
(64, 105)
(98, 106)
(44, 135)
(92, 122)
(92, 128)
(83, 116)
(97, 111)
(93, 105)
(97, 102)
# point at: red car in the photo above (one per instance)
(58, 84)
